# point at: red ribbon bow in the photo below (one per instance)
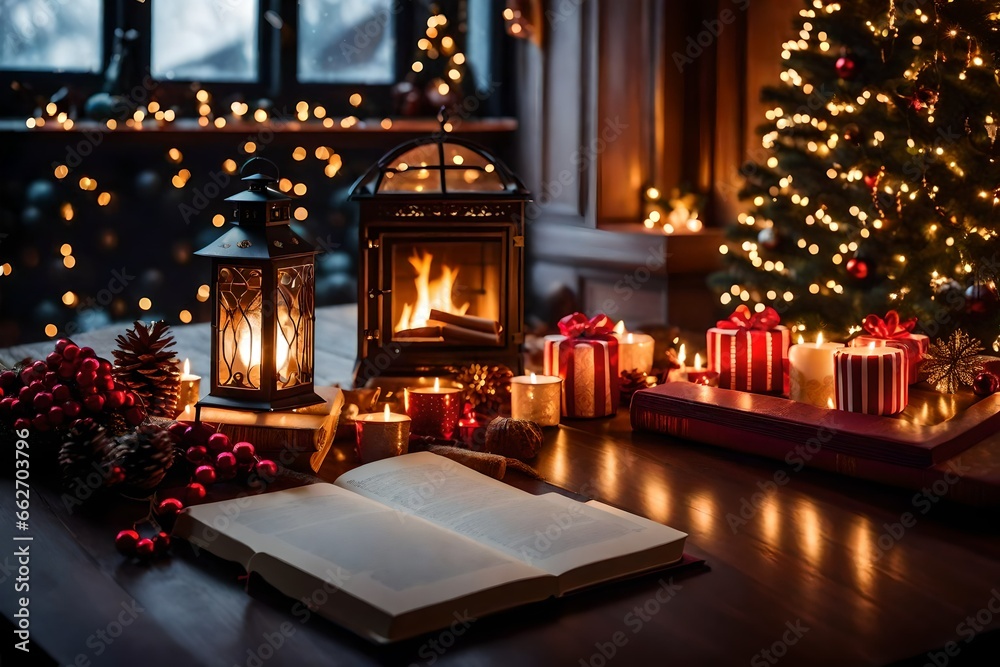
(890, 327)
(742, 318)
(578, 326)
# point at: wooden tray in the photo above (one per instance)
(933, 428)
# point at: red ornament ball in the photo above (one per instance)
(845, 67)
(244, 452)
(986, 384)
(267, 469)
(169, 507)
(161, 543)
(196, 454)
(219, 442)
(980, 299)
(857, 268)
(195, 493)
(126, 542)
(871, 180)
(145, 548)
(205, 475)
(116, 475)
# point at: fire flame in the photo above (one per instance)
(434, 294)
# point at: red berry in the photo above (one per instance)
(116, 399)
(89, 364)
(8, 379)
(267, 469)
(169, 507)
(65, 370)
(107, 384)
(21, 424)
(195, 493)
(196, 435)
(50, 379)
(219, 442)
(71, 409)
(94, 402)
(40, 423)
(62, 343)
(205, 475)
(70, 351)
(196, 454)
(60, 393)
(104, 366)
(135, 415)
(42, 401)
(39, 368)
(145, 548)
(7, 405)
(243, 451)
(54, 359)
(161, 543)
(116, 476)
(56, 415)
(15, 405)
(26, 394)
(225, 465)
(86, 378)
(87, 352)
(129, 400)
(126, 542)
(176, 429)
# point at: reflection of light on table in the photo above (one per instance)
(770, 515)
(812, 532)
(559, 457)
(864, 555)
(702, 510)
(610, 464)
(656, 498)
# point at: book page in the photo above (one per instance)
(394, 561)
(551, 532)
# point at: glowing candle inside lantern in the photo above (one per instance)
(381, 435)
(810, 371)
(536, 398)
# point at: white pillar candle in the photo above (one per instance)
(810, 372)
(189, 391)
(536, 398)
(635, 350)
(381, 435)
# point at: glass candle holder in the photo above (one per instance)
(434, 410)
(381, 435)
(536, 398)
(190, 389)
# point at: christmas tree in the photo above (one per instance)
(439, 66)
(877, 185)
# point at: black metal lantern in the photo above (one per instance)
(263, 301)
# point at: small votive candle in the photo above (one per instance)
(434, 410)
(537, 398)
(702, 377)
(810, 372)
(873, 380)
(678, 374)
(635, 350)
(381, 435)
(190, 389)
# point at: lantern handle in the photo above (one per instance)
(277, 173)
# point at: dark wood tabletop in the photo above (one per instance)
(812, 569)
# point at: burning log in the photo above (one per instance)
(450, 333)
(482, 324)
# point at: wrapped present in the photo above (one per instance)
(749, 351)
(585, 356)
(873, 380)
(892, 332)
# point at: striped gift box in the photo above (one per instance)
(589, 369)
(749, 359)
(872, 380)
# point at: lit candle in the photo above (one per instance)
(703, 377)
(536, 398)
(679, 374)
(635, 351)
(873, 380)
(381, 435)
(189, 391)
(810, 372)
(434, 410)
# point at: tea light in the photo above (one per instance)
(434, 410)
(679, 374)
(703, 377)
(873, 380)
(190, 389)
(381, 435)
(635, 351)
(536, 398)
(811, 372)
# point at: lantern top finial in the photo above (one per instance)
(258, 180)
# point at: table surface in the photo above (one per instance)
(823, 553)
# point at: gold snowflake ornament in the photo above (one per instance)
(953, 363)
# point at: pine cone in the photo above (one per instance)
(84, 453)
(144, 455)
(486, 387)
(145, 363)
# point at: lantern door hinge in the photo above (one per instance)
(373, 293)
(518, 241)
(371, 334)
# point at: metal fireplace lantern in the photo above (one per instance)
(441, 267)
(263, 303)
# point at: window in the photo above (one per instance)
(347, 41)
(205, 40)
(39, 35)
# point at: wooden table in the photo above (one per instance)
(815, 571)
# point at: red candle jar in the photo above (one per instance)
(434, 410)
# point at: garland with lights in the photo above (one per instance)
(877, 182)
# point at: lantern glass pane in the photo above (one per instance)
(293, 333)
(239, 332)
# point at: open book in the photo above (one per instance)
(407, 545)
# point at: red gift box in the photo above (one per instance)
(875, 382)
(749, 351)
(891, 332)
(585, 356)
